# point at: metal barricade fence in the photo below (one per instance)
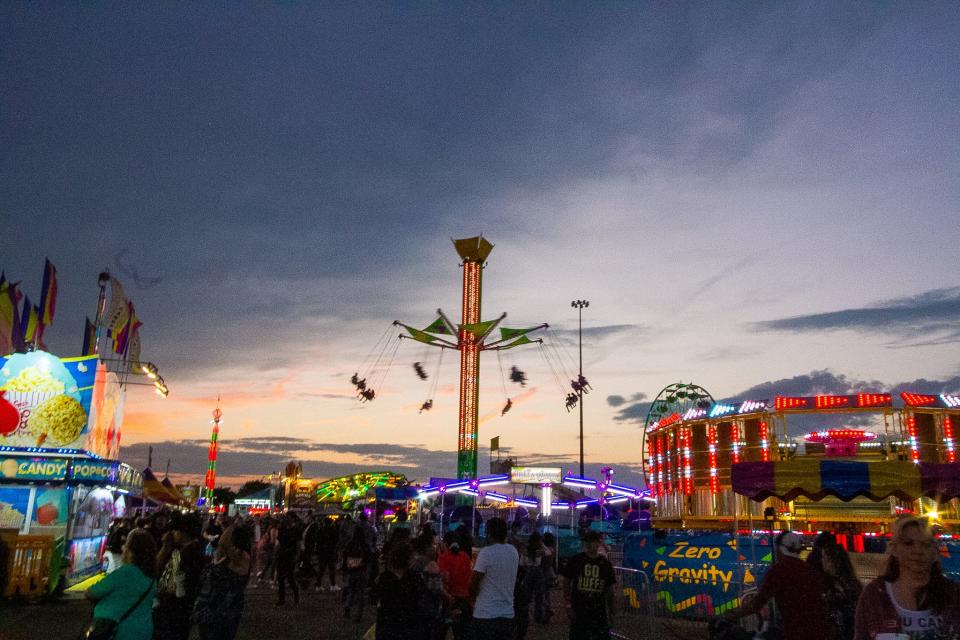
(635, 617)
(651, 610)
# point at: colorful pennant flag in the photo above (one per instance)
(11, 336)
(418, 335)
(119, 312)
(89, 338)
(8, 313)
(133, 349)
(439, 326)
(29, 321)
(48, 294)
(121, 339)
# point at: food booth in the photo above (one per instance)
(59, 488)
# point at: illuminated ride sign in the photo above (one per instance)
(536, 475)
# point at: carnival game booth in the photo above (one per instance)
(727, 465)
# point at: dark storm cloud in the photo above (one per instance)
(636, 412)
(932, 313)
(616, 401)
(252, 165)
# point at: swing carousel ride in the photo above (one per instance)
(470, 337)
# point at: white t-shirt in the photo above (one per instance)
(498, 564)
(913, 623)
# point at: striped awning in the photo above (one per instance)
(816, 478)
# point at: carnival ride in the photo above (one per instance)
(721, 465)
(470, 337)
(608, 492)
(210, 480)
(351, 487)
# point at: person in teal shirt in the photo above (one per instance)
(121, 589)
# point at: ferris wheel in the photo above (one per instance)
(676, 398)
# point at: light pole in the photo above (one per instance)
(579, 305)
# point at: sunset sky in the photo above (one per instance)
(760, 199)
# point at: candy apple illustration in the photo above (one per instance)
(9, 417)
(47, 514)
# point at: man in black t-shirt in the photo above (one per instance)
(588, 588)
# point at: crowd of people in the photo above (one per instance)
(171, 572)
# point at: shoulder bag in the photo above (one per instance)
(105, 628)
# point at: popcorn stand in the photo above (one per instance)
(59, 425)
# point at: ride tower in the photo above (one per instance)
(470, 337)
(211, 478)
(474, 253)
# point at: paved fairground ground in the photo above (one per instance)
(317, 617)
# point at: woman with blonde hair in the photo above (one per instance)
(912, 598)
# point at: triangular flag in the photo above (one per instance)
(48, 294)
(478, 328)
(438, 326)
(418, 335)
(506, 333)
(8, 313)
(29, 321)
(119, 312)
(89, 338)
(516, 343)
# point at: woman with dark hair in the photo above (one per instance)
(179, 566)
(815, 557)
(221, 598)
(843, 588)
(125, 596)
(912, 597)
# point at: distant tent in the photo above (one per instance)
(172, 490)
(156, 490)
